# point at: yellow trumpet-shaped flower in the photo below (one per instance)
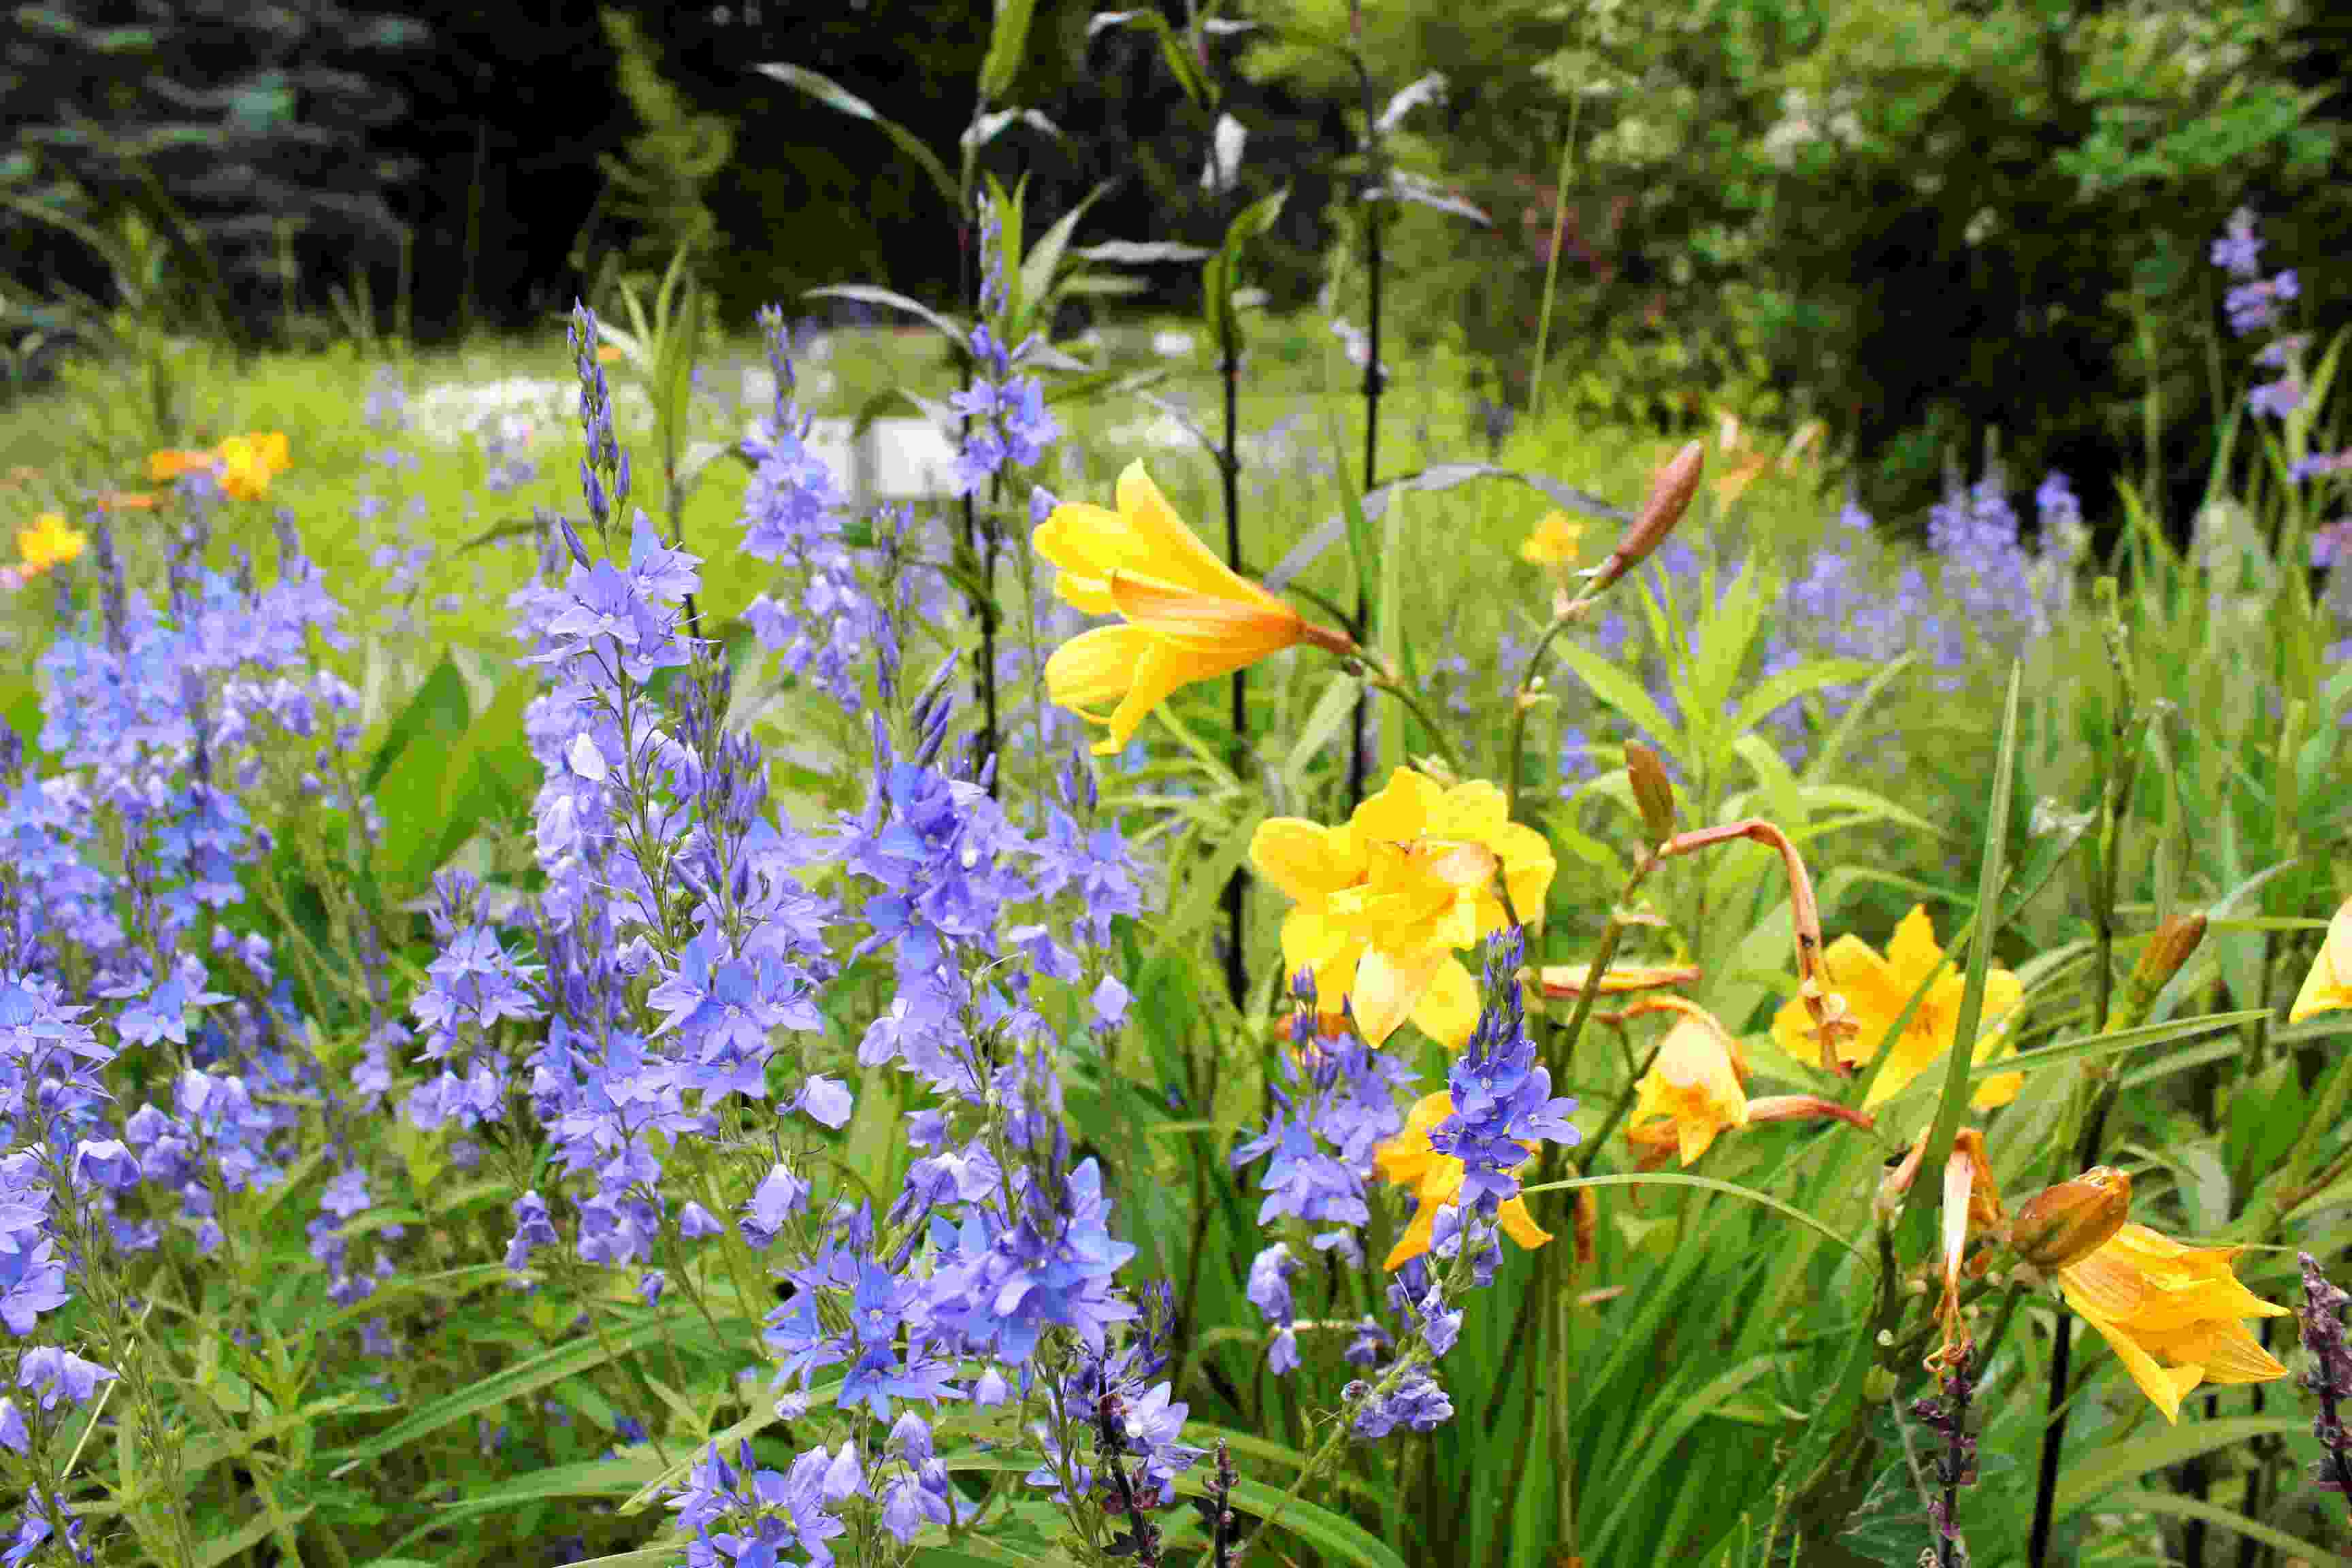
(47, 542)
(1188, 615)
(1693, 1090)
(2329, 983)
(1407, 1161)
(245, 463)
(248, 463)
(1877, 988)
(1384, 901)
(2174, 1314)
(1554, 541)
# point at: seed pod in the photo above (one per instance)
(2065, 1223)
(1652, 791)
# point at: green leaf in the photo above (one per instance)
(1330, 710)
(515, 1381)
(436, 712)
(1609, 682)
(1008, 39)
(2115, 1042)
(2295, 1549)
(867, 294)
(1955, 1098)
(227, 1547)
(1340, 1539)
(1774, 692)
(1709, 1183)
(833, 95)
(2092, 1476)
(1222, 276)
(1181, 63)
(1034, 292)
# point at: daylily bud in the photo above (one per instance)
(1805, 1108)
(1564, 981)
(2061, 1224)
(1652, 791)
(2169, 947)
(1670, 497)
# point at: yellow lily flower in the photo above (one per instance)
(1406, 1160)
(48, 543)
(1693, 1090)
(1384, 901)
(1876, 990)
(2329, 983)
(2172, 1312)
(1554, 541)
(1188, 615)
(248, 462)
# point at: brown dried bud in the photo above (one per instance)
(1670, 497)
(2067, 1223)
(1652, 791)
(2169, 951)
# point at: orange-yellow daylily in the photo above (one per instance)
(2329, 983)
(2174, 1314)
(1188, 617)
(1554, 541)
(1693, 1090)
(1876, 989)
(47, 542)
(248, 462)
(1406, 1160)
(245, 463)
(1387, 898)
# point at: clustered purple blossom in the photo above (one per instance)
(2253, 305)
(793, 512)
(1005, 417)
(2329, 1377)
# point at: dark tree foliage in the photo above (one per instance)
(251, 124)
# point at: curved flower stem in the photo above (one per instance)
(1520, 704)
(1378, 679)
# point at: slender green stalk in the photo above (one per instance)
(1551, 261)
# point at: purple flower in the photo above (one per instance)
(60, 1375)
(779, 1195)
(826, 1101)
(1502, 1097)
(2237, 250)
(1416, 1402)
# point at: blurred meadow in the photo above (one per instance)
(1357, 788)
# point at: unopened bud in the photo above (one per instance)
(2170, 949)
(1670, 497)
(1652, 791)
(2064, 1224)
(1878, 1386)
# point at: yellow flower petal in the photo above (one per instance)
(1255, 620)
(1448, 1009)
(1095, 667)
(1912, 953)
(1304, 859)
(1521, 1225)
(1389, 987)
(2330, 985)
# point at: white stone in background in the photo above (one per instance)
(1172, 345)
(760, 386)
(448, 415)
(912, 460)
(896, 460)
(1161, 431)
